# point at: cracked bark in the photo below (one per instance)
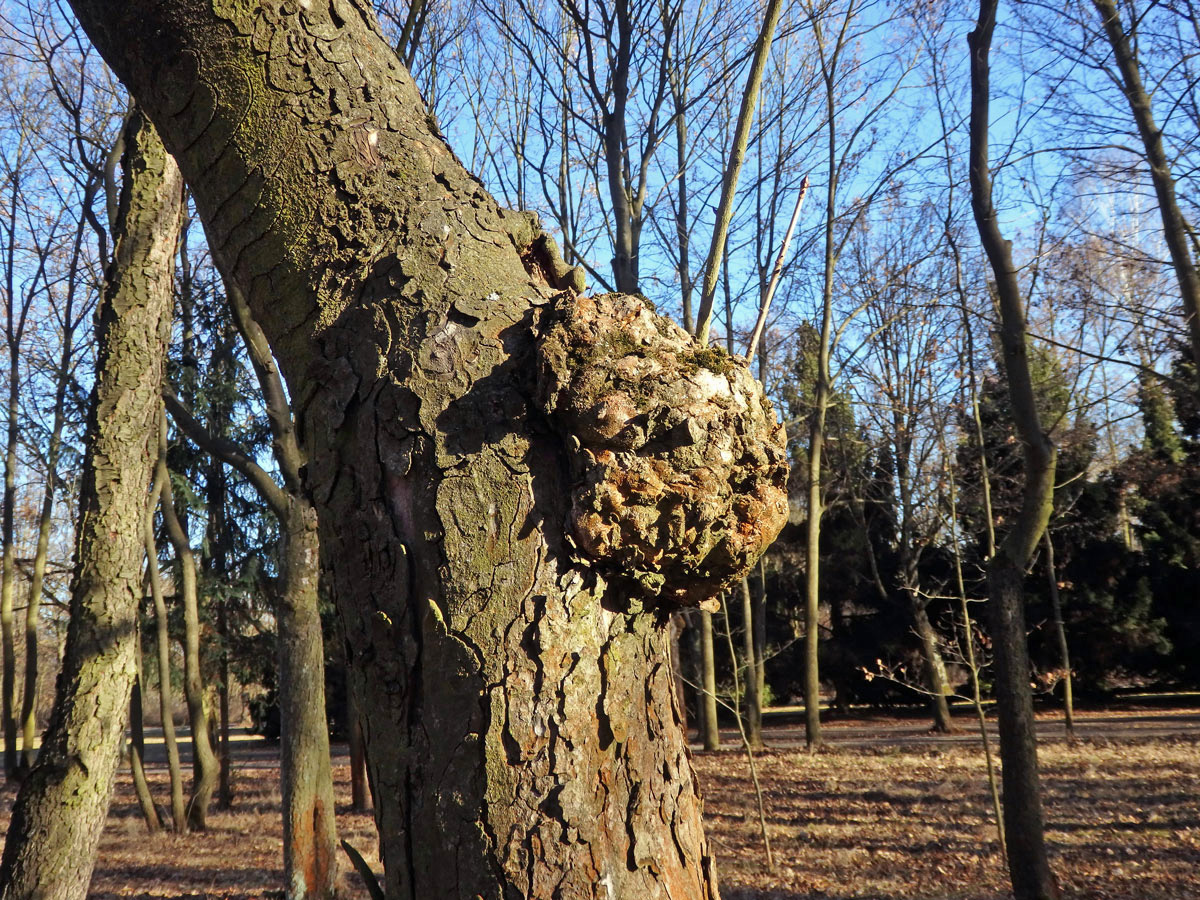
(521, 735)
(61, 807)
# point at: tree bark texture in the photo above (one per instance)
(511, 482)
(60, 810)
(309, 821)
(1028, 861)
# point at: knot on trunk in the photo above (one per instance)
(680, 466)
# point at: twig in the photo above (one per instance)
(775, 274)
(737, 717)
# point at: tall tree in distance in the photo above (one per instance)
(309, 829)
(1028, 862)
(60, 810)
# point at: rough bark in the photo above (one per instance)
(1028, 862)
(518, 715)
(60, 810)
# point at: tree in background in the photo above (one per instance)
(60, 810)
(1028, 863)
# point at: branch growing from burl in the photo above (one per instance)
(678, 463)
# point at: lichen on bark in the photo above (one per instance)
(679, 464)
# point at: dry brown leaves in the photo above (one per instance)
(887, 812)
(913, 820)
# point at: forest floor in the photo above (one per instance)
(886, 811)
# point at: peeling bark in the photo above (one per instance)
(61, 808)
(517, 708)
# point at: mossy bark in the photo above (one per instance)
(60, 810)
(521, 734)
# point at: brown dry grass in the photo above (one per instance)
(912, 820)
(907, 819)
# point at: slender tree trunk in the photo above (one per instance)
(137, 745)
(935, 666)
(204, 760)
(60, 809)
(1060, 634)
(309, 826)
(733, 167)
(1174, 227)
(812, 567)
(710, 727)
(759, 614)
(310, 838)
(514, 681)
(359, 801)
(162, 642)
(973, 668)
(8, 680)
(225, 768)
(45, 519)
(1028, 861)
(753, 698)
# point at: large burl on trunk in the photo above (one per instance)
(514, 484)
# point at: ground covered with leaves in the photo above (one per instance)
(886, 811)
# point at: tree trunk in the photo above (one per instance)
(310, 838)
(710, 726)
(359, 801)
(1060, 635)
(61, 807)
(137, 744)
(1174, 226)
(513, 676)
(1028, 861)
(162, 642)
(753, 698)
(309, 825)
(204, 760)
(8, 679)
(760, 635)
(935, 666)
(812, 565)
